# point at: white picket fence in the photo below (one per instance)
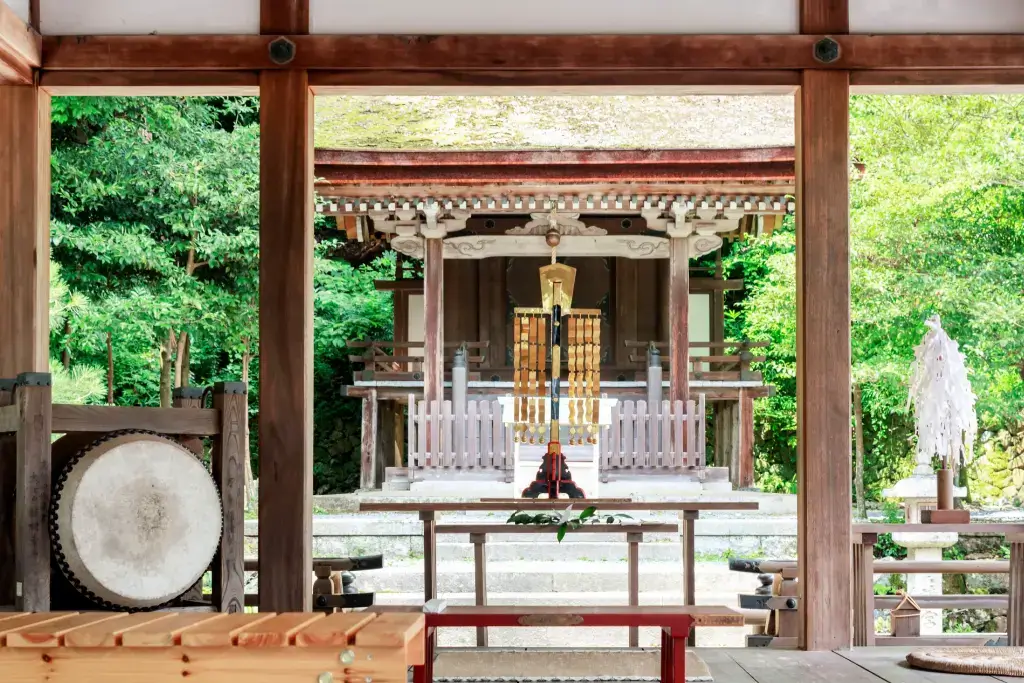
(670, 437)
(440, 439)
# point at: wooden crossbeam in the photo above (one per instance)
(20, 48)
(376, 55)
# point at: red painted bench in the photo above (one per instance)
(675, 623)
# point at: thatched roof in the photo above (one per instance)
(554, 122)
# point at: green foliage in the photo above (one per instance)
(886, 547)
(937, 226)
(155, 235)
(565, 521)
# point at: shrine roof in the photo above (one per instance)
(554, 122)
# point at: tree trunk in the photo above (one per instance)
(858, 425)
(165, 370)
(180, 345)
(249, 482)
(110, 370)
(186, 362)
(65, 354)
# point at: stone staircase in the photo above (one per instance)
(585, 569)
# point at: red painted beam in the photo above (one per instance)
(336, 176)
(345, 157)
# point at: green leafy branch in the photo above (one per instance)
(565, 521)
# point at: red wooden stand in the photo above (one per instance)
(675, 624)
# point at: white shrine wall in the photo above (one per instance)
(20, 8)
(126, 17)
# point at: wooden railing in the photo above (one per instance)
(865, 536)
(728, 360)
(671, 436)
(384, 359)
(441, 438)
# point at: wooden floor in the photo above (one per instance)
(865, 665)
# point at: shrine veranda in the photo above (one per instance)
(289, 52)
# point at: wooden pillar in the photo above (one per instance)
(8, 486)
(688, 521)
(864, 590)
(32, 501)
(429, 520)
(479, 542)
(633, 541)
(286, 341)
(823, 342)
(1015, 615)
(24, 299)
(744, 478)
(679, 309)
(228, 463)
(433, 321)
(368, 442)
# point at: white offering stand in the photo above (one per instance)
(583, 460)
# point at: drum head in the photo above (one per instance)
(137, 520)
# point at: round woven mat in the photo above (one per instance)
(987, 661)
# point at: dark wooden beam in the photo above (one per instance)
(137, 83)
(398, 285)
(825, 16)
(553, 81)
(938, 81)
(20, 48)
(631, 55)
(823, 359)
(284, 16)
(228, 465)
(24, 230)
(286, 341)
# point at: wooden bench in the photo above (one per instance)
(166, 647)
(675, 623)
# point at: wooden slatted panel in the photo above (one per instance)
(421, 433)
(459, 429)
(472, 431)
(497, 432)
(447, 451)
(616, 437)
(391, 629)
(605, 447)
(333, 630)
(668, 458)
(504, 459)
(51, 633)
(434, 442)
(166, 632)
(628, 446)
(278, 631)
(13, 622)
(678, 416)
(702, 437)
(221, 632)
(642, 455)
(691, 434)
(110, 634)
(411, 432)
(486, 433)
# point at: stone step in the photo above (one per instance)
(596, 547)
(383, 525)
(548, 577)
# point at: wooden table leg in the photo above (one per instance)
(679, 639)
(479, 542)
(634, 538)
(425, 673)
(666, 656)
(689, 520)
(429, 555)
